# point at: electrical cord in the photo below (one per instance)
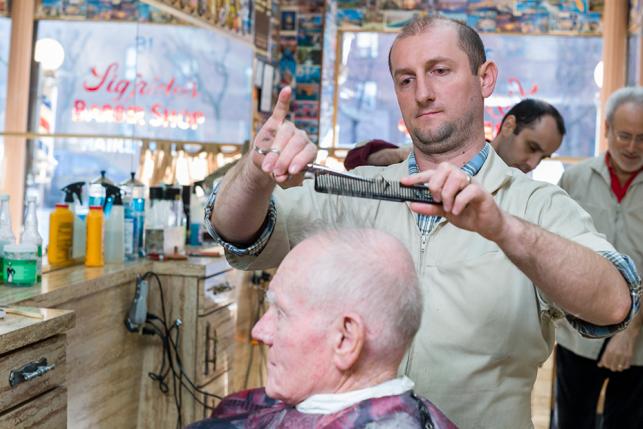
(171, 361)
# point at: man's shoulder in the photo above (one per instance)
(511, 185)
(405, 410)
(578, 176)
(584, 167)
(390, 171)
(234, 410)
(529, 188)
(244, 401)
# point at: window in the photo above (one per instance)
(158, 81)
(5, 37)
(111, 86)
(633, 59)
(558, 69)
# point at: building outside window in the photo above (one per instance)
(557, 69)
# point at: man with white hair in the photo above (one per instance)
(344, 308)
(610, 188)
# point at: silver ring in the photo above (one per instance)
(468, 180)
(261, 151)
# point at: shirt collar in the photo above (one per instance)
(329, 403)
(471, 168)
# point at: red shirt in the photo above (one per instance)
(618, 189)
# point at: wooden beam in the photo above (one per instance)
(196, 21)
(615, 17)
(17, 110)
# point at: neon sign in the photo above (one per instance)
(125, 93)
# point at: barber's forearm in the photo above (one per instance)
(578, 279)
(635, 325)
(388, 156)
(242, 203)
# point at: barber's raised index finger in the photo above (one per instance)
(280, 112)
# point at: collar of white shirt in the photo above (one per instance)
(328, 403)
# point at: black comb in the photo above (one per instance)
(330, 181)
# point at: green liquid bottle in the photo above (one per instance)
(30, 235)
(6, 233)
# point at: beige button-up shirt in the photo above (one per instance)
(589, 183)
(486, 327)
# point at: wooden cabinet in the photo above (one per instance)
(206, 304)
(218, 291)
(215, 343)
(33, 368)
(101, 374)
(47, 411)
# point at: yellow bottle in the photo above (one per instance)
(61, 224)
(94, 253)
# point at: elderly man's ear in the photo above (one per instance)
(349, 339)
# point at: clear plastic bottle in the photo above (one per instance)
(80, 213)
(134, 203)
(114, 239)
(155, 221)
(6, 233)
(30, 234)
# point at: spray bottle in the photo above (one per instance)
(6, 233)
(114, 227)
(80, 213)
(30, 234)
(134, 202)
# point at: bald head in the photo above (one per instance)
(344, 307)
(365, 271)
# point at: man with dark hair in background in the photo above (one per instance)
(530, 131)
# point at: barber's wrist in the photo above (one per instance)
(507, 230)
(633, 330)
(254, 176)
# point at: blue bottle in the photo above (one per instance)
(134, 217)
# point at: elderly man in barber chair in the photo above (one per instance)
(339, 323)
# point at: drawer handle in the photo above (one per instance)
(29, 372)
(211, 344)
(215, 346)
(220, 288)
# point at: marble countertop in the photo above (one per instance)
(62, 285)
(17, 330)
